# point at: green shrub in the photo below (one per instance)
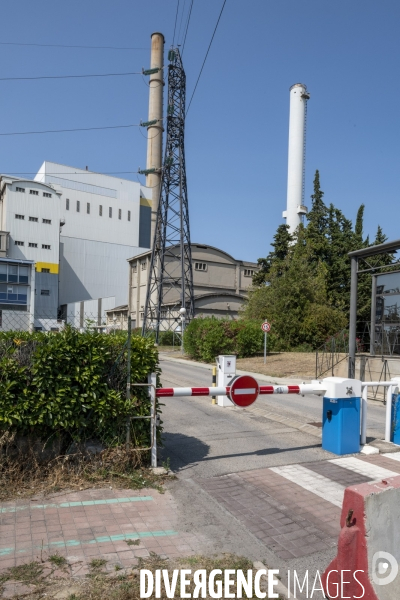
(167, 338)
(207, 337)
(73, 384)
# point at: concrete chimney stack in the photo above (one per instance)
(295, 208)
(155, 132)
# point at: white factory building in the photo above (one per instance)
(79, 228)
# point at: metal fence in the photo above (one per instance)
(20, 320)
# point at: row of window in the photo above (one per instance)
(13, 293)
(33, 192)
(200, 266)
(33, 219)
(14, 273)
(110, 210)
(32, 245)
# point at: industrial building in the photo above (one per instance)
(79, 228)
(220, 285)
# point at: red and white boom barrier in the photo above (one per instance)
(243, 390)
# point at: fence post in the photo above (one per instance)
(128, 382)
(364, 408)
(153, 421)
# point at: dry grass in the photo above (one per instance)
(23, 474)
(118, 585)
(298, 365)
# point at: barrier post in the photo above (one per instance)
(364, 409)
(153, 422)
(388, 426)
(214, 383)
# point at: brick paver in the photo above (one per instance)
(92, 524)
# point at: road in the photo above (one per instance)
(205, 440)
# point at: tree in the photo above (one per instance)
(281, 244)
(316, 230)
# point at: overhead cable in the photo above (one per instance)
(70, 76)
(205, 58)
(69, 130)
(187, 27)
(70, 46)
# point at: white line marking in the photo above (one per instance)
(363, 468)
(243, 391)
(392, 455)
(319, 485)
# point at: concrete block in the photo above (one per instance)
(366, 449)
(367, 561)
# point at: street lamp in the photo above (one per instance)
(182, 312)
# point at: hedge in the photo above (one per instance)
(73, 384)
(207, 337)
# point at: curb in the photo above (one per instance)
(280, 588)
(260, 376)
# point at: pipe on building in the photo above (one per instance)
(295, 208)
(155, 132)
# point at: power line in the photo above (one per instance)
(187, 27)
(82, 172)
(176, 18)
(205, 58)
(69, 130)
(70, 76)
(69, 46)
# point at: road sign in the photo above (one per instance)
(244, 390)
(266, 327)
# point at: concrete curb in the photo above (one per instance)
(260, 376)
(279, 588)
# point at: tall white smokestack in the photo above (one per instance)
(155, 132)
(295, 208)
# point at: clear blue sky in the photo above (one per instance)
(347, 52)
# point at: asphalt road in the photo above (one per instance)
(203, 440)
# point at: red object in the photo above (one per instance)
(354, 538)
(244, 390)
(266, 327)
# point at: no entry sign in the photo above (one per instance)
(266, 327)
(244, 390)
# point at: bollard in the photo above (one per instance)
(226, 372)
(214, 383)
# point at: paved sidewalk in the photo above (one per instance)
(295, 509)
(117, 525)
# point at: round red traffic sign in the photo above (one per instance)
(244, 390)
(266, 327)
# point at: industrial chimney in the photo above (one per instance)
(295, 208)
(155, 131)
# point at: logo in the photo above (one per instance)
(384, 568)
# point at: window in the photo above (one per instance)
(38, 328)
(3, 272)
(13, 273)
(248, 272)
(110, 212)
(88, 208)
(129, 215)
(66, 203)
(17, 243)
(143, 265)
(198, 266)
(46, 195)
(21, 217)
(134, 268)
(47, 221)
(100, 210)
(32, 245)
(45, 292)
(18, 189)
(23, 274)
(34, 192)
(78, 206)
(46, 247)
(45, 270)
(119, 213)
(34, 219)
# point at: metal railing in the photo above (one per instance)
(331, 353)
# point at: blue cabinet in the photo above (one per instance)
(341, 425)
(395, 429)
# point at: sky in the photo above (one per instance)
(346, 52)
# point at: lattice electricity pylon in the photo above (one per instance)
(170, 283)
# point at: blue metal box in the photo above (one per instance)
(395, 429)
(341, 425)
